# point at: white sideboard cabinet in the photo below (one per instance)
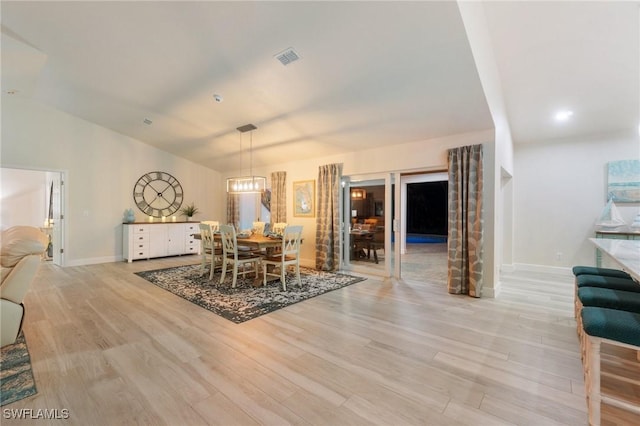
(146, 240)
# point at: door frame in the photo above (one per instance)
(345, 240)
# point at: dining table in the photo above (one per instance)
(255, 241)
(626, 253)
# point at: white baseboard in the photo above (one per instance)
(562, 270)
(492, 292)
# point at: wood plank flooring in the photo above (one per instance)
(113, 349)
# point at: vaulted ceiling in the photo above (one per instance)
(369, 73)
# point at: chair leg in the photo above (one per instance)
(235, 275)
(264, 275)
(224, 271)
(203, 263)
(283, 277)
(593, 380)
(298, 273)
(213, 266)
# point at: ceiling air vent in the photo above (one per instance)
(287, 56)
(147, 121)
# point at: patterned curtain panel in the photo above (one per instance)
(328, 217)
(233, 210)
(278, 197)
(465, 220)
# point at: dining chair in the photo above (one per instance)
(231, 256)
(211, 250)
(258, 228)
(289, 255)
(278, 228)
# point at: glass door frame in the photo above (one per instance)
(389, 224)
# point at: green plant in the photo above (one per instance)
(189, 210)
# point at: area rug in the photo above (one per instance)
(16, 377)
(244, 302)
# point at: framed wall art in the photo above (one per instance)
(304, 198)
(623, 184)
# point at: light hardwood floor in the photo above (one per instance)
(113, 349)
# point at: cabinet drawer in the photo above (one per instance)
(140, 245)
(191, 249)
(140, 229)
(140, 238)
(192, 228)
(141, 253)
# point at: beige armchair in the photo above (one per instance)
(20, 257)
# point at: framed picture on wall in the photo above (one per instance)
(623, 185)
(304, 198)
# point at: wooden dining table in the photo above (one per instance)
(255, 241)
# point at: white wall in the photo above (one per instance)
(102, 167)
(23, 198)
(559, 193)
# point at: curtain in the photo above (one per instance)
(465, 221)
(233, 210)
(278, 197)
(328, 217)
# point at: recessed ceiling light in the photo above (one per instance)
(218, 98)
(564, 115)
(12, 92)
(147, 121)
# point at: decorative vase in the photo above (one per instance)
(189, 218)
(131, 217)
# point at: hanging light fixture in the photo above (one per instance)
(251, 183)
(358, 194)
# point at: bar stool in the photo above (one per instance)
(606, 298)
(601, 281)
(613, 327)
(606, 272)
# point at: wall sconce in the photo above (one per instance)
(358, 194)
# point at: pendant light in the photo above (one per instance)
(251, 183)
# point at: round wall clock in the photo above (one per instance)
(158, 194)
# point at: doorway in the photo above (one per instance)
(35, 198)
(423, 230)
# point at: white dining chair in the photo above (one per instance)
(288, 255)
(278, 228)
(211, 250)
(231, 256)
(258, 227)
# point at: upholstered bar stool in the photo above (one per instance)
(606, 298)
(605, 272)
(601, 281)
(613, 327)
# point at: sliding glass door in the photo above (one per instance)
(368, 210)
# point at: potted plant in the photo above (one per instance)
(189, 211)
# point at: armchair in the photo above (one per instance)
(20, 257)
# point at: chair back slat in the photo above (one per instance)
(278, 228)
(258, 228)
(291, 240)
(215, 225)
(229, 242)
(206, 233)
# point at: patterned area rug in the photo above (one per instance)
(244, 302)
(16, 377)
